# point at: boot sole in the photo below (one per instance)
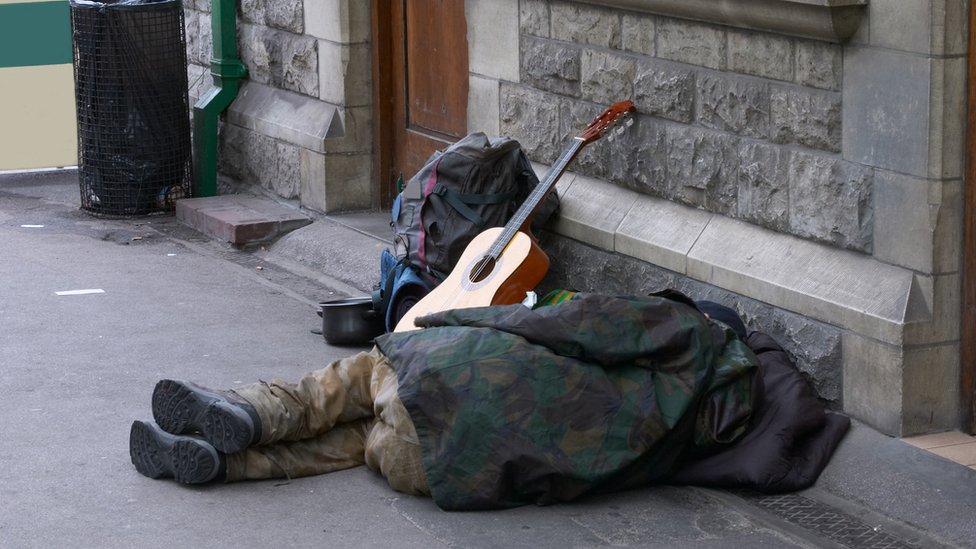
(158, 454)
(183, 408)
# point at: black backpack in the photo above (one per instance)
(475, 184)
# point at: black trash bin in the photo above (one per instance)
(134, 155)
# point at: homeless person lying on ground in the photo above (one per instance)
(503, 406)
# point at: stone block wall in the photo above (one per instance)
(745, 123)
(301, 125)
(814, 184)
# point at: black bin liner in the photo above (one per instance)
(134, 155)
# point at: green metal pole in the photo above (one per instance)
(227, 70)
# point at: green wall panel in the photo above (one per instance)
(35, 33)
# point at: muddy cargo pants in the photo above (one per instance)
(341, 416)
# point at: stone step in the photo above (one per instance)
(240, 219)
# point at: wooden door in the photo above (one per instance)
(420, 84)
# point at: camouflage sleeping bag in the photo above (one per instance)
(515, 406)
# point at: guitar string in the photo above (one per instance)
(537, 194)
(523, 213)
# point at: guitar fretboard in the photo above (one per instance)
(535, 198)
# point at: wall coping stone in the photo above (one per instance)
(291, 117)
(846, 289)
(830, 20)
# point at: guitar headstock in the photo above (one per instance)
(605, 121)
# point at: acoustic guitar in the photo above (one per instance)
(501, 264)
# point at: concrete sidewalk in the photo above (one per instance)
(176, 302)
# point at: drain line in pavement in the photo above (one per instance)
(827, 521)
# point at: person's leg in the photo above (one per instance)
(190, 459)
(295, 421)
(338, 393)
(340, 448)
(392, 447)
(264, 413)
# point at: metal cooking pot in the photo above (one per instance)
(350, 321)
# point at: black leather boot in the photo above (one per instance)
(158, 454)
(225, 420)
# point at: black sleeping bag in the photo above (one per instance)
(789, 442)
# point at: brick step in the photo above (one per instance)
(240, 219)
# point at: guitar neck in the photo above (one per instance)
(521, 217)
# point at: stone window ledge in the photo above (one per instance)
(838, 287)
(830, 20)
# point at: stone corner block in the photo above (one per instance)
(907, 213)
(343, 21)
(901, 391)
(904, 26)
(348, 182)
(927, 406)
(886, 116)
(483, 92)
(493, 38)
(872, 382)
(344, 75)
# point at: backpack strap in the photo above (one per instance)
(429, 187)
(462, 201)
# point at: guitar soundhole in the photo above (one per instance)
(481, 269)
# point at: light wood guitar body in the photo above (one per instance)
(479, 281)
